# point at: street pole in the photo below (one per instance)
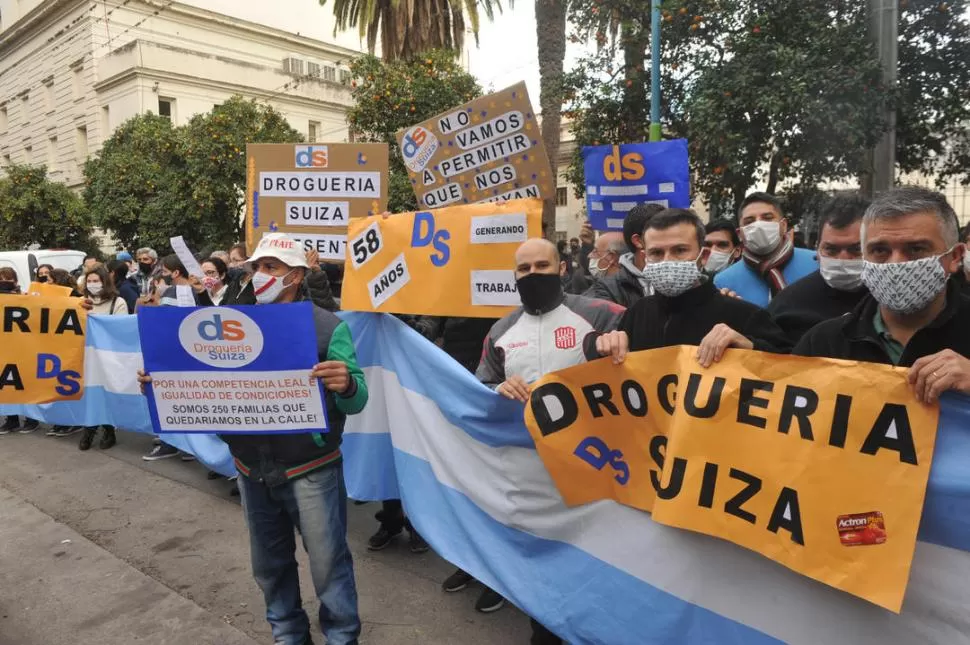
(884, 24)
(655, 72)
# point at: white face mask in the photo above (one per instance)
(906, 287)
(844, 275)
(672, 277)
(95, 288)
(594, 267)
(268, 288)
(761, 238)
(717, 261)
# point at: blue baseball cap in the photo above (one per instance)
(125, 256)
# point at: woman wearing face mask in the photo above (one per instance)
(44, 273)
(100, 289)
(220, 288)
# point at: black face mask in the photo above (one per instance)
(8, 287)
(540, 292)
(167, 279)
(42, 278)
(145, 268)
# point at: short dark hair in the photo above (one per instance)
(674, 216)
(172, 263)
(218, 264)
(89, 256)
(119, 271)
(635, 222)
(843, 209)
(49, 267)
(759, 198)
(965, 232)
(726, 225)
(63, 278)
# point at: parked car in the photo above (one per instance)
(25, 263)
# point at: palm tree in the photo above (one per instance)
(551, 46)
(409, 27)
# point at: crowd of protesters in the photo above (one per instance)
(887, 282)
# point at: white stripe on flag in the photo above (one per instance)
(116, 372)
(597, 206)
(612, 222)
(622, 191)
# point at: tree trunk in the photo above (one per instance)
(551, 41)
(773, 167)
(634, 42)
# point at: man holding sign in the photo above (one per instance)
(295, 481)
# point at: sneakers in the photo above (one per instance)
(30, 425)
(417, 544)
(108, 440)
(489, 601)
(381, 540)
(11, 424)
(67, 431)
(184, 456)
(87, 439)
(456, 581)
(161, 451)
(54, 430)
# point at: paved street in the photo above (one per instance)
(104, 548)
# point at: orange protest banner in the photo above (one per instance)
(787, 456)
(43, 349)
(48, 289)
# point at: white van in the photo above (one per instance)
(25, 263)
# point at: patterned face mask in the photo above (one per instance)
(906, 287)
(672, 277)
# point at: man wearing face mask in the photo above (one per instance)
(294, 482)
(547, 333)
(836, 288)
(628, 284)
(770, 260)
(721, 237)
(604, 260)
(687, 309)
(147, 259)
(915, 316)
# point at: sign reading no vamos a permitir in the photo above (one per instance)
(487, 150)
(312, 190)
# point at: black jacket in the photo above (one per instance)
(809, 301)
(318, 285)
(854, 337)
(464, 338)
(128, 291)
(658, 321)
(622, 287)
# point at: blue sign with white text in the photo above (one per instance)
(241, 369)
(619, 177)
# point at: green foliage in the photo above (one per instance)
(36, 210)
(392, 96)
(786, 93)
(152, 182)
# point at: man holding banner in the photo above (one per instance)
(295, 481)
(916, 316)
(517, 353)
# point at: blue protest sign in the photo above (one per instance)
(243, 369)
(621, 177)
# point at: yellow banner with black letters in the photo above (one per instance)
(41, 349)
(818, 464)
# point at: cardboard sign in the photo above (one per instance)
(43, 349)
(243, 369)
(621, 177)
(311, 191)
(49, 289)
(790, 457)
(487, 150)
(457, 261)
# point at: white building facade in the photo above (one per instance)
(71, 71)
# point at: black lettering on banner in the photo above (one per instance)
(634, 398)
(70, 322)
(733, 505)
(658, 446)
(706, 499)
(713, 399)
(787, 504)
(15, 316)
(10, 376)
(840, 420)
(747, 400)
(791, 410)
(566, 414)
(892, 431)
(598, 396)
(664, 395)
(45, 319)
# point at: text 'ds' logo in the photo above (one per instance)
(221, 337)
(312, 157)
(417, 147)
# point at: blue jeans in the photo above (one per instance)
(315, 505)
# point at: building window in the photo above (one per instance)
(52, 154)
(313, 129)
(330, 74)
(344, 76)
(313, 70)
(77, 86)
(562, 196)
(3, 119)
(49, 104)
(81, 144)
(166, 108)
